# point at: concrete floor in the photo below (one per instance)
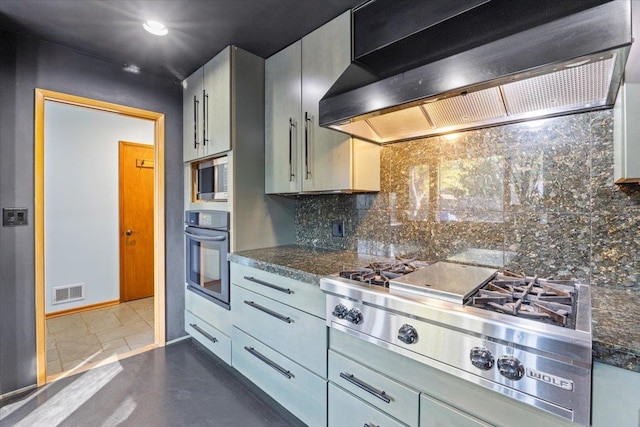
(181, 384)
(90, 336)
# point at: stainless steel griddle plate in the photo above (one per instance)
(444, 280)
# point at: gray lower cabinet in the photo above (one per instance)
(280, 339)
(210, 337)
(299, 390)
(348, 410)
(437, 414)
(209, 324)
(445, 400)
(379, 391)
(615, 397)
(300, 336)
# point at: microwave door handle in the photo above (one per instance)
(205, 238)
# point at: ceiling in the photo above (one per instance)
(198, 29)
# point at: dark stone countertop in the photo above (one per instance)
(615, 312)
(616, 327)
(304, 263)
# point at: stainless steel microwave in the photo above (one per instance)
(211, 181)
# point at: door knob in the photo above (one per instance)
(128, 232)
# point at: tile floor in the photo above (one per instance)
(90, 336)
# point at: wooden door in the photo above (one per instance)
(136, 220)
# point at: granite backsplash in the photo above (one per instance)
(537, 197)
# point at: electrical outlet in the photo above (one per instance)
(337, 228)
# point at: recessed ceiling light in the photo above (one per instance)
(156, 28)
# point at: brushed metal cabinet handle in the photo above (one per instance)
(269, 285)
(269, 311)
(269, 362)
(203, 332)
(292, 124)
(366, 387)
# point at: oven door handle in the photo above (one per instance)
(205, 238)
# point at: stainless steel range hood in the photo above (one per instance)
(424, 68)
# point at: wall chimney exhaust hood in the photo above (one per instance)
(424, 68)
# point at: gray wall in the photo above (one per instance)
(28, 64)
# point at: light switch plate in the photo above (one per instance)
(12, 217)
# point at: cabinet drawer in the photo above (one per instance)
(301, 392)
(437, 414)
(299, 336)
(303, 296)
(211, 313)
(348, 410)
(376, 389)
(210, 337)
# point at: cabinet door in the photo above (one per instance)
(217, 103)
(282, 121)
(297, 335)
(192, 116)
(347, 410)
(437, 414)
(300, 391)
(326, 53)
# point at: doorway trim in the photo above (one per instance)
(42, 95)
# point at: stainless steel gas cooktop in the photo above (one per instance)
(525, 337)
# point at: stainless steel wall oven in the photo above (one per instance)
(207, 246)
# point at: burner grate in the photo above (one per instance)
(544, 300)
(379, 273)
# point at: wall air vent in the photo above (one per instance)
(68, 293)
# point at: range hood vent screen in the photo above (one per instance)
(470, 108)
(411, 121)
(578, 87)
(571, 88)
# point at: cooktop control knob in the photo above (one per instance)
(407, 334)
(354, 316)
(340, 311)
(510, 367)
(481, 358)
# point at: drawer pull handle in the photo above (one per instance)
(203, 332)
(269, 312)
(269, 362)
(370, 425)
(268, 285)
(366, 387)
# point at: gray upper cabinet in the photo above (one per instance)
(283, 94)
(626, 132)
(207, 108)
(192, 115)
(218, 102)
(301, 156)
